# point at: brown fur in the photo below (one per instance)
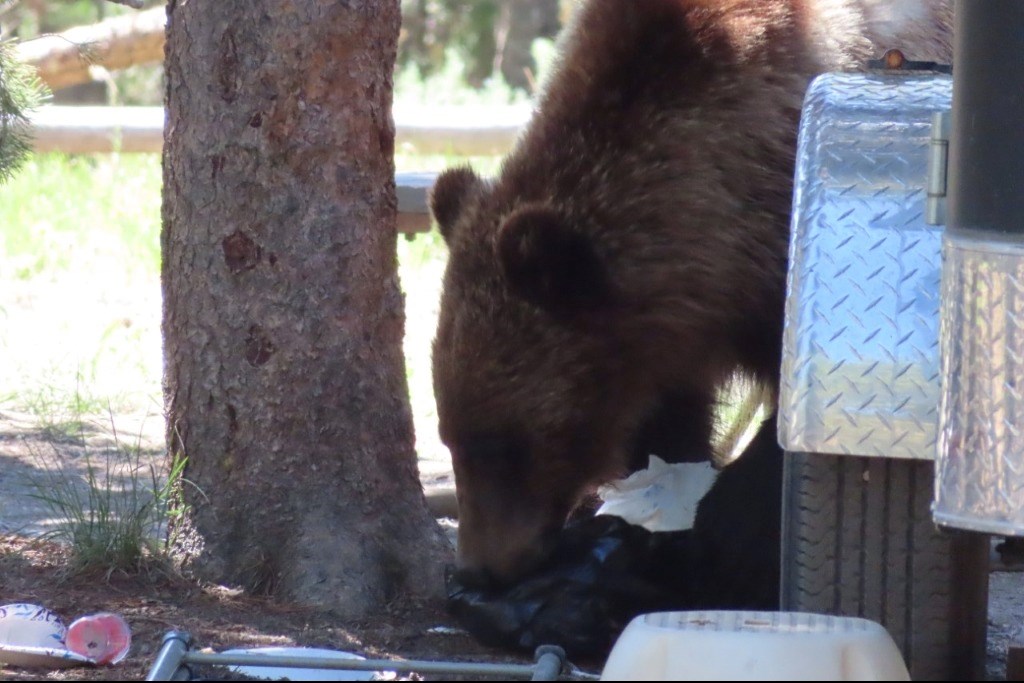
(629, 257)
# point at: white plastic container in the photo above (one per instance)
(753, 646)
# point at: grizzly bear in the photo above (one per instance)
(630, 255)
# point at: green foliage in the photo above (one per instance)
(118, 516)
(28, 19)
(470, 33)
(140, 85)
(20, 92)
(431, 27)
(445, 86)
(544, 52)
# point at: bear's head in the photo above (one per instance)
(540, 383)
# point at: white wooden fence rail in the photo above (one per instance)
(457, 130)
(462, 131)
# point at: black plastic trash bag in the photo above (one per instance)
(598, 580)
(606, 571)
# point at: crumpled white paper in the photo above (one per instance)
(662, 497)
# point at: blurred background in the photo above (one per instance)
(79, 233)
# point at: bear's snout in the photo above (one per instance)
(499, 552)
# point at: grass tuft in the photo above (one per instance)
(114, 511)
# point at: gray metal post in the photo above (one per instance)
(980, 459)
(986, 155)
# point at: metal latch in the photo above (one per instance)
(895, 60)
(938, 163)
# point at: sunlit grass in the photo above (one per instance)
(79, 285)
(64, 214)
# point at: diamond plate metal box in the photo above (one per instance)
(860, 367)
(979, 483)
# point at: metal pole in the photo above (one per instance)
(980, 458)
(508, 671)
(174, 656)
(171, 658)
(986, 152)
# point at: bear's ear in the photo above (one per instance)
(547, 263)
(449, 194)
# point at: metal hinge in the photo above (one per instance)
(938, 162)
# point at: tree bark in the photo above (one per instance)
(283, 319)
(64, 59)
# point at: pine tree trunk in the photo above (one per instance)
(283, 320)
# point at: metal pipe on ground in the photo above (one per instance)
(170, 659)
(551, 663)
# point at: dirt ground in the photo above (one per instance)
(31, 570)
(217, 618)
